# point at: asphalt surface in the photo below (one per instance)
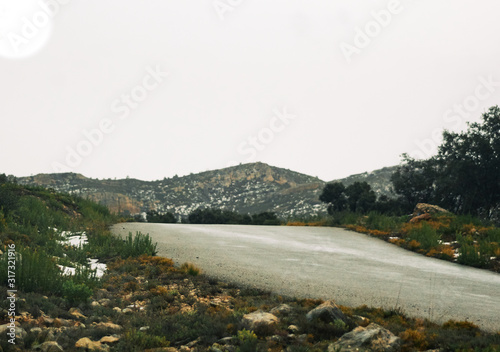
(329, 263)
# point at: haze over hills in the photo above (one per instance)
(247, 188)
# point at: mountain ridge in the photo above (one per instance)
(245, 188)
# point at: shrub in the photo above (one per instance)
(377, 221)
(135, 340)
(76, 293)
(248, 340)
(190, 269)
(424, 234)
(473, 254)
(35, 271)
(135, 246)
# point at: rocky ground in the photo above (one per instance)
(147, 304)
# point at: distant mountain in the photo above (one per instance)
(379, 180)
(247, 188)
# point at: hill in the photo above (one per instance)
(247, 188)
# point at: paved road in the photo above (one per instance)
(331, 263)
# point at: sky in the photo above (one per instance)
(153, 89)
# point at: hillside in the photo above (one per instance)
(379, 180)
(248, 188)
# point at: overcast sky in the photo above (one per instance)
(150, 89)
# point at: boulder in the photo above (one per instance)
(49, 346)
(424, 208)
(259, 318)
(89, 345)
(283, 309)
(372, 338)
(109, 326)
(109, 340)
(19, 332)
(418, 218)
(328, 312)
(77, 313)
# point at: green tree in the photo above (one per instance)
(414, 181)
(360, 197)
(463, 177)
(154, 216)
(469, 166)
(334, 195)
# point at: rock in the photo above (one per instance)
(19, 332)
(108, 326)
(117, 309)
(293, 329)
(283, 309)
(259, 318)
(361, 321)
(144, 328)
(77, 313)
(104, 302)
(216, 348)
(327, 312)
(194, 343)
(49, 346)
(227, 341)
(95, 304)
(89, 345)
(424, 208)
(274, 338)
(45, 320)
(127, 310)
(109, 340)
(372, 338)
(419, 218)
(58, 322)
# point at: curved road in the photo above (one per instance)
(331, 263)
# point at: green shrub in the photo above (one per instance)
(76, 293)
(135, 340)
(472, 254)
(426, 235)
(377, 221)
(35, 271)
(104, 245)
(140, 244)
(248, 341)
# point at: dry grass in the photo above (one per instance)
(190, 269)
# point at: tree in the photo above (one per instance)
(154, 216)
(334, 195)
(360, 197)
(469, 166)
(464, 176)
(414, 181)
